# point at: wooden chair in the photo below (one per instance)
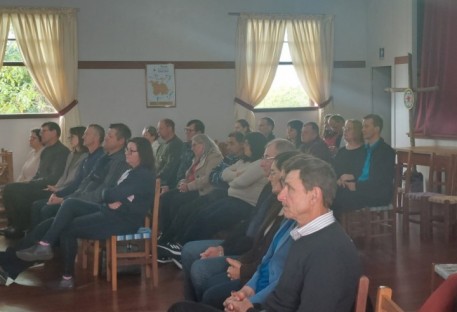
(441, 208)
(147, 257)
(362, 294)
(6, 167)
(89, 247)
(371, 223)
(384, 302)
(400, 183)
(439, 183)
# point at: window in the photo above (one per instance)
(286, 90)
(18, 93)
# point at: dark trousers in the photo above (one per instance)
(188, 306)
(170, 204)
(218, 289)
(42, 211)
(218, 216)
(82, 219)
(187, 212)
(18, 199)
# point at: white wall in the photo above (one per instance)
(183, 30)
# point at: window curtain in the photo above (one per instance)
(47, 39)
(437, 110)
(4, 29)
(311, 49)
(259, 45)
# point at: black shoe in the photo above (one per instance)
(163, 256)
(173, 248)
(36, 253)
(62, 284)
(177, 261)
(3, 276)
(13, 233)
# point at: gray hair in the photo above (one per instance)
(209, 145)
(282, 145)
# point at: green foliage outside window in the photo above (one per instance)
(18, 93)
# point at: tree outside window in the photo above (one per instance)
(18, 93)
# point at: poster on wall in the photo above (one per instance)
(160, 85)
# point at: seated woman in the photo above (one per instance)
(196, 182)
(294, 128)
(246, 180)
(32, 162)
(350, 159)
(123, 211)
(77, 155)
(231, 273)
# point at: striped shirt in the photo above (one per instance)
(317, 224)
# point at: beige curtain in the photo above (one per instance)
(47, 39)
(4, 29)
(311, 49)
(259, 45)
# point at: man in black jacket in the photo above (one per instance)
(19, 197)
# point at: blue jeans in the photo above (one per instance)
(189, 254)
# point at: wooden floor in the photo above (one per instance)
(405, 267)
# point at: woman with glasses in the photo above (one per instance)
(123, 211)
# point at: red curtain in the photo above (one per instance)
(436, 113)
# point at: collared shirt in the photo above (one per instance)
(366, 166)
(317, 224)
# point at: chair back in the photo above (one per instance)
(6, 167)
(440, 174)
(384, 302)
(362, 294)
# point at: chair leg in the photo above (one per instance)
(405, 217)
(447, 222)
(113, 264)
(108, 260)
(96, 257)
(154, 265)
(83, 253)
(425, 219)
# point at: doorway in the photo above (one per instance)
(381, 78)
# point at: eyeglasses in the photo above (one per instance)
(266, 157)
(129, 151)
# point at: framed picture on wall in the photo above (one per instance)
(160, 85)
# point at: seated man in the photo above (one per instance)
(168, 154)
(374, 186)
(313, 143)
(268, 247)
(201, 258)
(322, 269)
(18, 197)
